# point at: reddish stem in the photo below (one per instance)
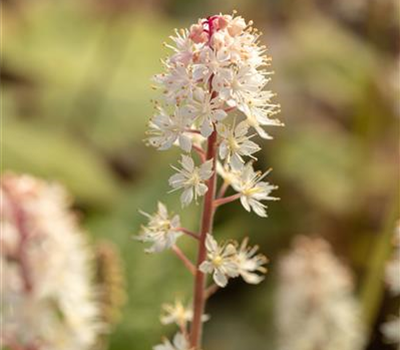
(223, 189)
(188, 232)
(200, 152)
(211, 290)
(229, 109)
(193, 131)
(181, 255)
(206, 227)
(199, 300)
(225, 200)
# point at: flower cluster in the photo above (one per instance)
(49, 301)
(214, 105)
(215, 83)
(391, 329)
(316, 306)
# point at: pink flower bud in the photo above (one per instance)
(197, 34)
(236, 26)
(221, 22)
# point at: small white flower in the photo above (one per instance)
(228, 174)
(179, 343)
(238, 85)
(235, 144)
(253, 190)
(165, 129)
(183, 48)
(249, 263)
(178, 83)
(210, 63)
(207, 111)
(391, 330)
(220, 261)
(162, 230)
(179, 314)
(392, 274)
(259, 112)
(191, 179)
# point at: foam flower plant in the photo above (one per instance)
(214, 105)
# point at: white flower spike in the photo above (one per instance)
(316, 302)
(214, 99)
(47, 262)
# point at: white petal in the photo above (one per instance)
(252, 278)
(236, 162)
(262, 133)
(180, 342)
(249, 147)
(176, 180)
(241, 129)
(211, 243)
(258, 208)
(205, 171)
(201, 189)
(199, 71)
(222, 130)
(206, 128)
(185, 142)
(162, 210)
(206, 267)
(220, 279)
(223, 150)
(245, 203)
(219, 115)
(187, 163)
(187, 196)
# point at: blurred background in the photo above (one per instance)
(76, 99)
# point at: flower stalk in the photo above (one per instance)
(206, 228)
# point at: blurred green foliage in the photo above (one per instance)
(76, 100)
